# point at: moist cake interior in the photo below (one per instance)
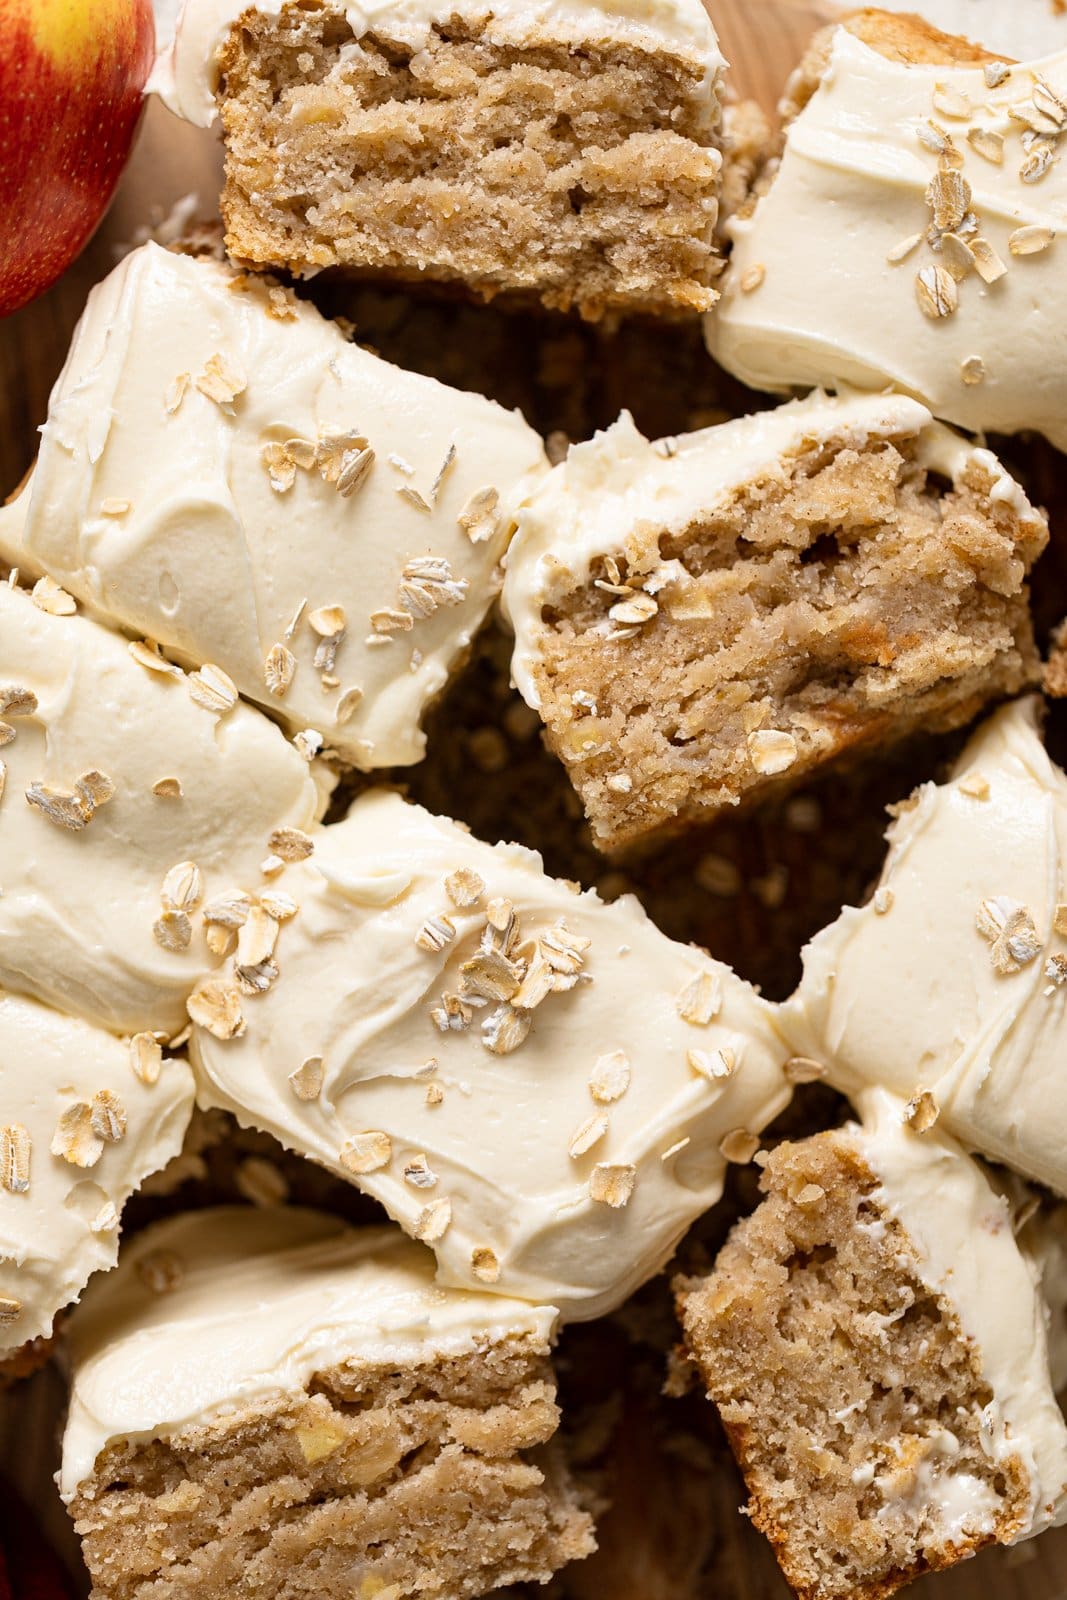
(842, 602)
(840, 1378)
(434, 1480)
(584, 176)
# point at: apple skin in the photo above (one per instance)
(72, 76)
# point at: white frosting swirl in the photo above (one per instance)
(261, 1301)
(811, 296)
(488, 1133)
(78, 907)
(906, 991)
(59, 1218)
(186, 76)
(167, 523)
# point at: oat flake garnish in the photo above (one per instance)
(957, 256)
(1009, 927)
(281, 468)
(307, 1081)
(347, 705)
(216, 1006)
(367, 1152)
(427, 583)
(1056, 970)
(586, 1135)
(222, 379)
(8, 734)
(612, 1185)
(279, 905)
(637, 609)
(168, 789)
(75, 1139)
(15, 701)
(952, 102)
(882, 901)
(1059, 921)
(975, 786)
(701, 999)
(972, 371)
(47, 595)
(464, 888)
(484, 1264)
(996, 73)
(228, 910)
(715, 1065)
(213, 689)
(291, 844)
(108, 1116)
(504, 1029)
(147, 654)
(61, 807)
(900, 252)
(988, 144)
(10, 1308)
(175, 393)
(434, 1095)
(419, 1173)
(146, 1058)
(610, 1078)
(921, 1111)
(106, 1219)
(433, 1221)
(257, 938)
(739, 1146)
(753, 277)
(183, 887)
(988, 265)
(15, 1148)
(161, 1271)
(802, 1069)
(435, 933)
(1030, 240)
(936, 292)
(278, 669)
(478, 517)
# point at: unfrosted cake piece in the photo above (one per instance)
(541, 1086)
(703, 617)
(131, 795)
(85, 1118)
(950, 985)
(225, 473)
(273, 1403)
(565, 151)
(875, 1342)
(910, 234)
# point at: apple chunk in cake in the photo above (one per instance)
(573, 157)
(701, 618)
(278, 1405)
(875, 1342)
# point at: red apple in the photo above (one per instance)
(72, 75)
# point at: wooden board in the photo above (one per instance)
(762, 39)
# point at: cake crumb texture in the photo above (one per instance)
(437, 1480)
(843, 601)
(842, 1380)
(587, 177)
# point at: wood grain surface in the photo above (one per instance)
(762, 40)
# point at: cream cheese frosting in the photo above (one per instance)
(114, 773)
(86, 1117)
(824, 282)
(256, 1302)
(619, 485)
(186, 76)
(962, 1230)
(540, 1085)
(951, 979)
(223, 471)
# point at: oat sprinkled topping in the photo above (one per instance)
(436, 933)
(47, 595)
(307, 1081)
(216, 1006)
(278, 669)
(15, 1148)
(701, 999)
(612, 1184)
(478, 519)
(419, 1173)
(587, 1134)
(715, 1065)
(222, 379)
(921, 1111)
(802, 1069)
(15, 701)
(739, 1146)
(108, 1116)
(484, 1264)
(146, 1058)
(73, 810)
(433, 1221)
(464, 888)
(610, 1077)
(291, 844)
(10, 1308)
(168, 788)
(161, 1271)
(213, 689)
(75, 1139)
(1010, 930)
(367, 1152)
